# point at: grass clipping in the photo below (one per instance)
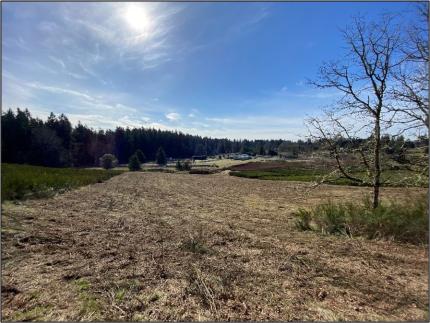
(401, 221)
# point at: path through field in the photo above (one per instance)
(157, 246)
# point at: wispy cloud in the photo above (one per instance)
(248, 21)
(20, 43)
(57, 60)
(269, 121)
(133, 32)
(173, 116)
(98, 121)
(63, 100)
(55, 89)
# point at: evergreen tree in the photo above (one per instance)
(200, 150)
(140, 155)
(46, 148)
(161, 157)
(261, 150)
(134, 163)
(80, 146)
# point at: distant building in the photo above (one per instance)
(241, 156)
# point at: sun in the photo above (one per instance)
(137, 18)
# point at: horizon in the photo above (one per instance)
(190, 67)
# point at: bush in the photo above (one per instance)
(139, 153)
(161, 156)
(401, 221)
(134, 163)
(186, 165)
(304, 220)
(108, 161)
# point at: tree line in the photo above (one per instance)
(56, 143)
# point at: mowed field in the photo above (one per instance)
(160, 246)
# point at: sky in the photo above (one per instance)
(223, 70)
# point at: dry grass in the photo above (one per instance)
(157, 246)
(226, 162)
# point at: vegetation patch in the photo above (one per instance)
(195, 245)
(203, 171)
(23, 181)
(401, 221)
(90, 307)
(35, 313)
(316, 171)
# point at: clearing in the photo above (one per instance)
(159, 246)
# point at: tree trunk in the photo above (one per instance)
(377, 165)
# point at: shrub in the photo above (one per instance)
(196, 243)
(139, 153)
(402, 221)
(195, 246)
(108, 161)
(303, 221)
(186, 165)
(161, 156)
(134, 163)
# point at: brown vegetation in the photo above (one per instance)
(158, 246)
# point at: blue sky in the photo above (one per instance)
(235, 70)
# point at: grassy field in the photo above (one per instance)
(223, 163)
(157, 246)
(208, 163)
(21, 181)
(308, 171)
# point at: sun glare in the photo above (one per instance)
(137, 18)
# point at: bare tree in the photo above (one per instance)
(362, 79)
(410, 90)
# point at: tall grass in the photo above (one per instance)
(22, 181)
(402, 221)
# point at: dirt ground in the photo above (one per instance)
(158, 246)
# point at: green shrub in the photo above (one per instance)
(196, 243)
(161, 156)
(108, 161)
(401, 221)
(134, 163)
(195, 246)
(186, 165)
(303, 221)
